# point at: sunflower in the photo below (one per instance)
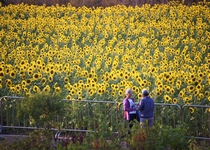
(12, 89)
(133, 88)
(175, 100)
(57, 89)
(114, 93)
(18, 87)
(201, 96)
(36, 89)
(30, 73)
(66, 79)
(107, 92)
(68, 97)
(23, 83)
(44, 80)
(79, 93)
(99, 91)
(28, 82)
(198, 87)
(73, 92)
(139, 96)
(8, 83)
(207, 93)
(35, 76)
(50, 78)
(181, 93)
(52, 72)
(190, 88)
(142, 84)
(196, 92)
(172, 91)
(90, 92)
(46, 88)
(191, 110)
(1, 69)
(26, 90)
(168, 89)
(12, 74)
(1, 74)
(167, 98)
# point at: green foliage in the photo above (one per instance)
(42, 108)
(160, 137)
(37, 140)
(90, 115)
(156, 138)
(2, 139)
(104, 138)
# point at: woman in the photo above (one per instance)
(130, 112)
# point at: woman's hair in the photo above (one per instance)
(128, 91)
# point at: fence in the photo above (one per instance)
(167, 114)
(199, 118)
(6, 98)
(83, 116)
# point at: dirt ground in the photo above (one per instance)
(11, 138)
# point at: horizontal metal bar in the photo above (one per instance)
(31, 128)
(14, 97)
(199, 106)
(16, 135)
(89, 101)
(94, 101)
(76, 130)
(11, 97)
(202, 138)
(165, 104)
(20, 127)
(53, 129)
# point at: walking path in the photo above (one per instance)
(11, 138)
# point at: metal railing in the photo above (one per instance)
(167, 114)
(83, 116)
(199, 118)
(1, 109)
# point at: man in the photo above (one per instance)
(146, 108)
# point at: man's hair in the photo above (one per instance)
(145, 92)
(128, 91)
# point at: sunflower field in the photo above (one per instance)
(96, 53)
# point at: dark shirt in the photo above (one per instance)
(146, 107)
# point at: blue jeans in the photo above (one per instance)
(150, 121)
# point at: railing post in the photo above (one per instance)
(1, 111)
(181, 115)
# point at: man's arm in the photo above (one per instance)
(141, 105)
